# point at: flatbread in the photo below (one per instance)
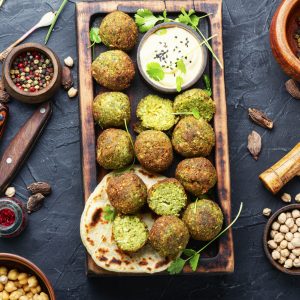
(96, 233)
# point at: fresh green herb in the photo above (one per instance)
(54, 20)
(109, 213)
(155, 71)
(181, 66)
(179, 82)
(194, 256)
(94, 36)
(194, 112)
(161, 31)
(207, 84)
(145, 19)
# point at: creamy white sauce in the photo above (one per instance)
(167, 46)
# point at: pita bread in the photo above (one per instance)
(96, 233)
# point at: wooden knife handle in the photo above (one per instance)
(3, 117)
(21, 145)
(283, 171)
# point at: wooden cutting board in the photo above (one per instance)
(220, 259)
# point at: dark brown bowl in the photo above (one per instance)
(29, 97)
(283, 44)
(168, 25)
(292, 271)
(22, 264)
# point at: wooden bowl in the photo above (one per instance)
(168, 25)
(283, 44)
(31, 97)
(266, 237)
(22, 264)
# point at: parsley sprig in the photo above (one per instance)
(192, 256)
(207, 84)
(145, 20)
(94, 38)
(109, 213)
(194, 112)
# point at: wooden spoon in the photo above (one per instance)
(46, 20)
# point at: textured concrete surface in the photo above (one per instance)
(253, 79)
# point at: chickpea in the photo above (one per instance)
(44, 296)
(288, 215)
(289, 222)
(10, 287)
(283, 244)
(23, 298)
(292, 256)
(26, 288)
(275, 254)
(285, 252)
(296, 242)
(15, 295)
(1, 287)
(275, 226)
(29, 295)
(3, 279)
(13, 274)
(296, 263)
(296, 251)
(32, 282)
(297, 235)
(18, 284)
(289, 236)
(288, 263)
(278, 237)
(294, 228)
(5, 295)
(298, 221)
(22, 276)
(290, 246)
(282, 218)
(272, 244)
(273, 233)
(3, 270)
(295, 213)
(282, 260)
(284, 229)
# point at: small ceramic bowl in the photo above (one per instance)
(282, 31)
(266, 238)
(32, 97)
(170, 25)
(12, 261)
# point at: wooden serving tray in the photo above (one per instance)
(220, 257)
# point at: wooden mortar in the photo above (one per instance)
(283, 171)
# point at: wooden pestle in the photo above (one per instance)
(283, 171)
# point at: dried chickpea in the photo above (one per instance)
(5, 295)
(32, 282)
(296, 263)
(289, 222)
(3, 270)
(278, 237)
(22, 276)
(272, 244)
(283, 244)
(18, 284)
(282, 218)
(29, 295)
(288, 263)
(23, 298)
(13, 274)
(298, 222)
(282, 260)
(273, 233)
(44, 296)
(10, 287)
(285, 252)
(290, 246)
(289, 236)
(3, 279)
(292, 256)
(26, 288)
(275, 226)
(295, 213)
(36, 290)
(1, 287)
(284, 229)
(296, 251)
(294, 228)
(275, 254)
(15, 295)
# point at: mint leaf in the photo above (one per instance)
(94, 35)
(145, 19)
(109, 213)
(194, 261)
(155, 71)
(176, 266)
(189, 252)
(195, 113)
(181, 66)
(179, 82)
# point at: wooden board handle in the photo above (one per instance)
(21, 145)
(283, 171)
(3, 117)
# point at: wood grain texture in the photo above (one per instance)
(19, 148)
(223, 262)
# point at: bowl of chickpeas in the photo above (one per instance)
(282, 239)
(20, 279)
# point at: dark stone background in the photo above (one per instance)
(253, 79)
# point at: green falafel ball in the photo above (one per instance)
(192, 137)
(204, 219)
(156, 113)
(195, 99)
(113, 69)
(110, 109)
(118, 31)
(154, 150)
(114, 149)
(127, 193)
(197, 175)
(167, 197)
(130, 233)
(169, 236)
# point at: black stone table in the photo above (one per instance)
(253, 79)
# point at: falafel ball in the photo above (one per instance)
(169, 236)
(195, 99)
(167, 197)
(156, 113)
(192, 137)
(114, 149)
(130, 233)
(127, 193)
(110, 109)
(197, 175)
(113, 69)
(154, 150)
(204, 219)
(118, 31)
